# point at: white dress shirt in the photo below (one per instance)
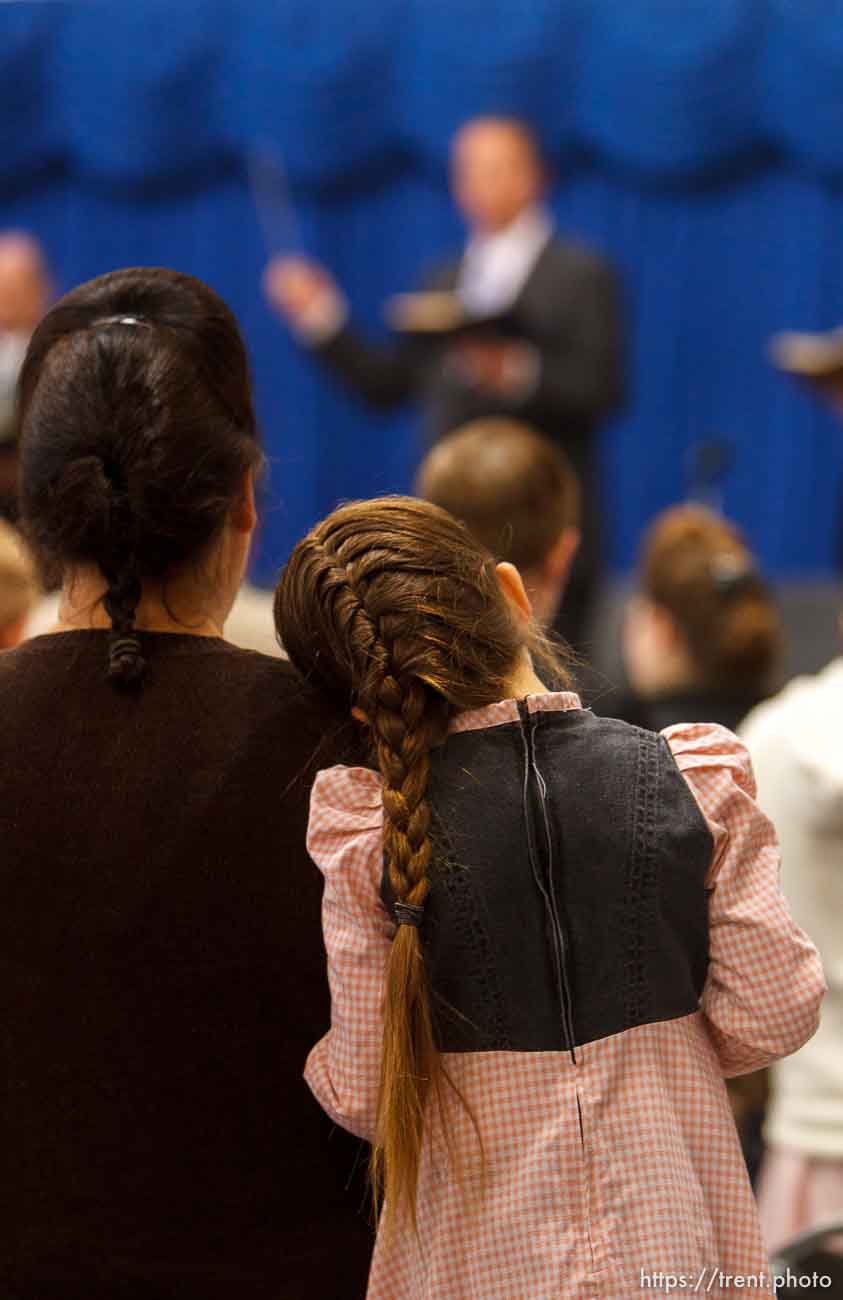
(495, 267)
(794, 741)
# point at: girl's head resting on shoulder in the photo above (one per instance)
(394, 609)
(137, 453)
(703, 616)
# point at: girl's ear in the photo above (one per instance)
(359, 715)
(512, 586)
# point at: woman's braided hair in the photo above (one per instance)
(391, 606)
(137, 428)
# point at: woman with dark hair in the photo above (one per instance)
(160, 964)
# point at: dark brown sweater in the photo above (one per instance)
(162, 979)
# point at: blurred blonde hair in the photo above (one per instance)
(19, 587)
(514, 489)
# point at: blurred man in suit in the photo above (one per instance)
(557, 367)
(24, 297)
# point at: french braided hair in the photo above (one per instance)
(136, 430)
(391, 606)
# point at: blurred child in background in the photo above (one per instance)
(795, 742)
(517, 493)
(702, 639)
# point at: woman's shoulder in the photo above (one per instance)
(280, 703)
(204, 686)
(78, 658)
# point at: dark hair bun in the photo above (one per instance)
(77, 509)
(137, 428)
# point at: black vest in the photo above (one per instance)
(568, 897)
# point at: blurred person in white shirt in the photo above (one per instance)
(796, 744)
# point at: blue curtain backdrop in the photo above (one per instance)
(697, 143)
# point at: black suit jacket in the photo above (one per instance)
(568, 310)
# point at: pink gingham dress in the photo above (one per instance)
(607, 1176)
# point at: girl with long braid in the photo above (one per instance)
(549, 937)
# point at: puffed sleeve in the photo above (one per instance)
(765, 981)
(345, 840)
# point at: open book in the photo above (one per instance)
(442, 315)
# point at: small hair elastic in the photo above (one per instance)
(408, 914)
(122, 645)
(126, 664)
(731, 573)
(121, 320)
